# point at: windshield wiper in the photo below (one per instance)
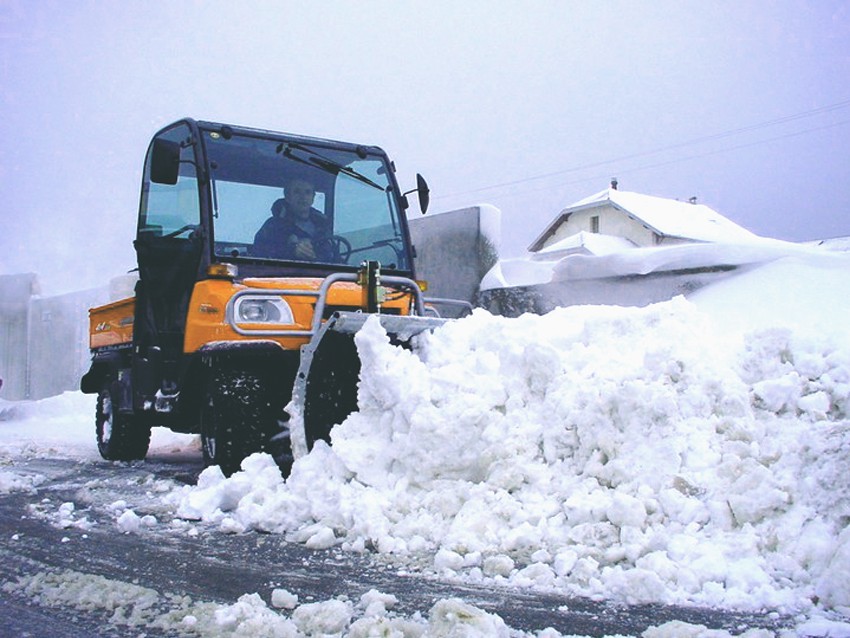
(286, 150)
(325, 163)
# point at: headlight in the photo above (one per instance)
(263, 310)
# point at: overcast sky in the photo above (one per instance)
(529, 106)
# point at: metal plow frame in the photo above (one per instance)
(399, 328)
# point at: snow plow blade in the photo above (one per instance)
(325, 390)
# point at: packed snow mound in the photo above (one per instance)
(54, 408)
(48, 428)
(63, 427)
(553, 266)
(639, 454)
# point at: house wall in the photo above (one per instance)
(612, 221)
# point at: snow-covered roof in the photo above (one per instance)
(585, 243)
(667, 217)
(533, 270)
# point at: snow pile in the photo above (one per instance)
(643, 261)
(63, 427)
(635, 454)
(48, 428)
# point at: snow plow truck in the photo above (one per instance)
(229, 324)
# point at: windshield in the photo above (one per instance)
(296, 201)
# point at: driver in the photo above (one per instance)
(295, 230)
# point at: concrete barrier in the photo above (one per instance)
(43, 340)
(454, 250)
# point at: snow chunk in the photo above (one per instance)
(283, 599)
(453, 617)
(19, 482)
(323, 618)
(375, 603)
(131, 523)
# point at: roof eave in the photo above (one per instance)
(537, 244)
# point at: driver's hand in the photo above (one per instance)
(304, 249)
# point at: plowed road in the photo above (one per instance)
(36, 536)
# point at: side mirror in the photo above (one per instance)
(165, 161)
(424, 193)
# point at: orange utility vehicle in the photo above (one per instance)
(222, 326)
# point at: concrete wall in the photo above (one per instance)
(15, 294)
(631, 290)
(58, 341)
(454, 250)
(43, 340)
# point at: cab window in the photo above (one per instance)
(172, 210)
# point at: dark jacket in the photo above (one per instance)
(280, 232)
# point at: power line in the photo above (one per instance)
(598, 177)
(698, 140)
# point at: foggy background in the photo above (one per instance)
(528, 106)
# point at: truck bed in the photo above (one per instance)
(112, 324)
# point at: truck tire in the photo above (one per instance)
(240, 415)
(120, 437)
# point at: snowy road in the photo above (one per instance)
(40, 536)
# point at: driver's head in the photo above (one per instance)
(299, 195)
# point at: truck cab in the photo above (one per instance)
(247, 242)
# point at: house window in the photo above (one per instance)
(594, 224)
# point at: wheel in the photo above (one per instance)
(218, 444)
(242, 413)
(331, 389)
(120, 437)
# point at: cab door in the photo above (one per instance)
(169, 246)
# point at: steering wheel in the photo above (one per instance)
(342, 247)
(182, 229)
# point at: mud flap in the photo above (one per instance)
(325, 390)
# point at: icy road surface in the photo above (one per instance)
(69, 570)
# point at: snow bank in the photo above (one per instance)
(534, 269)
(644, 455)
(63, 427)
(50, 427)
(808, 294)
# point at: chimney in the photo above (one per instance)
(614, 183)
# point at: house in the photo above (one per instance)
(612, 220)
(623, 248)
